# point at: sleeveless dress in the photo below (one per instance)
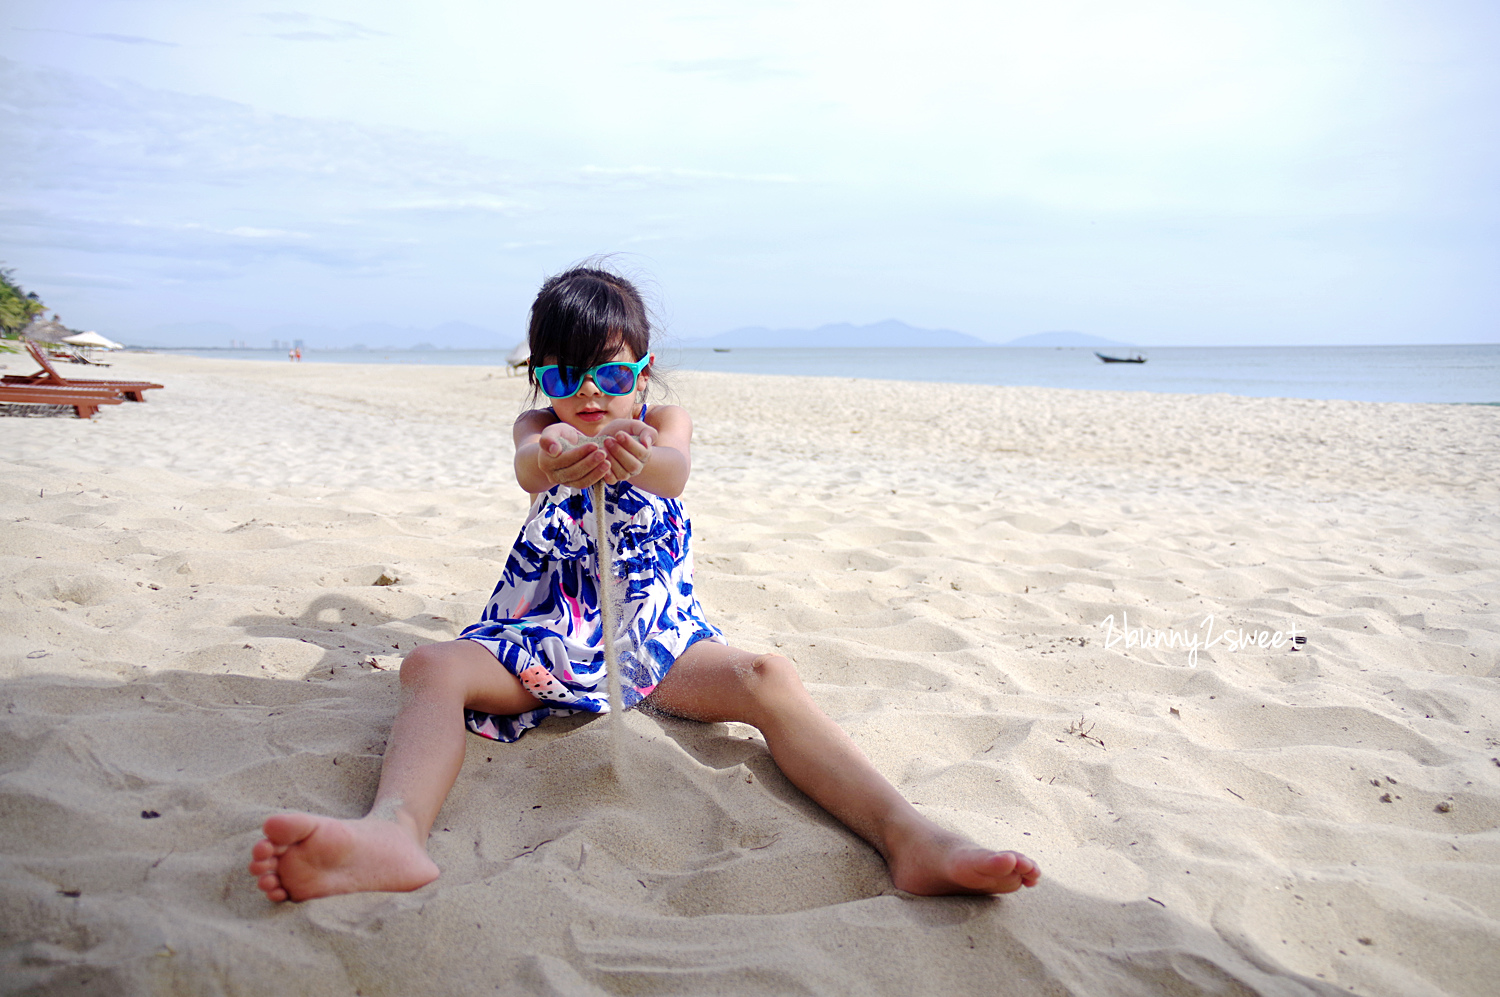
(543, 621)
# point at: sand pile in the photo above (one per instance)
(205, 599)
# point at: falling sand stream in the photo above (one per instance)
(609, 606)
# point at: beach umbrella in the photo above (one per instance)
(92, 338)
(518, 357)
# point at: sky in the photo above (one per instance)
(1262, 172)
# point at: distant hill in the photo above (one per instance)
(889, 333)
(184, 334)
(448, 336)
(371, 335)
(1064, 339)
(463, 336)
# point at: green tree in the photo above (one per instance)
(17, 306)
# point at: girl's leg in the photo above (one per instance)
(304, 855)
(712, 682)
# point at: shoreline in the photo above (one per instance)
(200, 574)
(1402, 374)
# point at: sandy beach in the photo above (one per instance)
(205, 598)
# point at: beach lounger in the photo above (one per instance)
(84, 400)
(48, 375)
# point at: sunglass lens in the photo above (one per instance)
(615, 379)
(561, 382)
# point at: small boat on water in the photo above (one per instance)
(1134, 359)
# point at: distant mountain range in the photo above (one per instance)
(1065, 339)
(889, 333)
(463, 336)
(370, 335)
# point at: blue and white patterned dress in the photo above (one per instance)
(543, 622)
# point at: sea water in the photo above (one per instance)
(1467, 373)
(1357, 373)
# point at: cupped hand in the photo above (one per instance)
(627, 442)
(567, 457)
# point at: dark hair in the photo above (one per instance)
(582, 317)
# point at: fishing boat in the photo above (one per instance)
(1134, 359)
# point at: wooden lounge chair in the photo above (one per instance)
(85, 400)
(48, 375)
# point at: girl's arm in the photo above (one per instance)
(654, 455)
(542, 457)
(657, 460)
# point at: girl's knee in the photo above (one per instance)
(771, 675)
(425, 664)
(717, 683)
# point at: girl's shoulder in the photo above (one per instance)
(533, 421)
(660, 417)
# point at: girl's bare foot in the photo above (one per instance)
(304, 856)
(932, 862)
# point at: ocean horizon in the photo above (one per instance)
(1454, 374)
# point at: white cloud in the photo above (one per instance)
(248, 232)
(461, 204)
(747, 69)
(103, 36)
(311, 28)
(83, 280)
(679, 176)
(140, 237)
(1148, 170)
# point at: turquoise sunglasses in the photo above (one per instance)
(613, 378)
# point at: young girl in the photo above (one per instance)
(538, 648)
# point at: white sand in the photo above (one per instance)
(193, 626)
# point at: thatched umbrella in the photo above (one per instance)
(47, 330)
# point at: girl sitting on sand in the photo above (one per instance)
(538, 648)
